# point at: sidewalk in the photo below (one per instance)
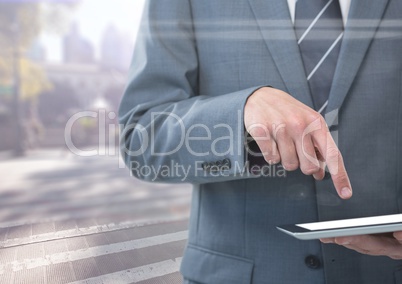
(69, 219)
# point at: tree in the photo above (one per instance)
(20, 24)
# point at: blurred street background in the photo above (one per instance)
(69, 210)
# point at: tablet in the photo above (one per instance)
(346, 227)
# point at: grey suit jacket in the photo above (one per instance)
(195, 64)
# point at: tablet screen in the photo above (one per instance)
(348, 223)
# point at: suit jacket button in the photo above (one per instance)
(205, 166)
(226, 163)
(312, 262)
(214, 167)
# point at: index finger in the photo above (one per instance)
(334, 161)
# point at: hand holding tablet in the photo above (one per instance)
(346, 227)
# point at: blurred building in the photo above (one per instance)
(116, 49)
(76, 48)
(87, 82)
(77, 88)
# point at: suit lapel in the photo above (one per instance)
(273, 18)
(277, 30)
(364, 18)
(362, 24)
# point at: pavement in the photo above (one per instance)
(71, 219)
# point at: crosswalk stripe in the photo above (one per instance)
(136, 274)
(87, 204)
(86, 212)
(10, 198)
(68, 256)
(79, 232)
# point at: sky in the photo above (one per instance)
(93, 16)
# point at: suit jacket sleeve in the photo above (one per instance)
(170, 133)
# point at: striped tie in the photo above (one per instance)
(319, 30)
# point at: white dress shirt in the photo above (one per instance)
(345, 5)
